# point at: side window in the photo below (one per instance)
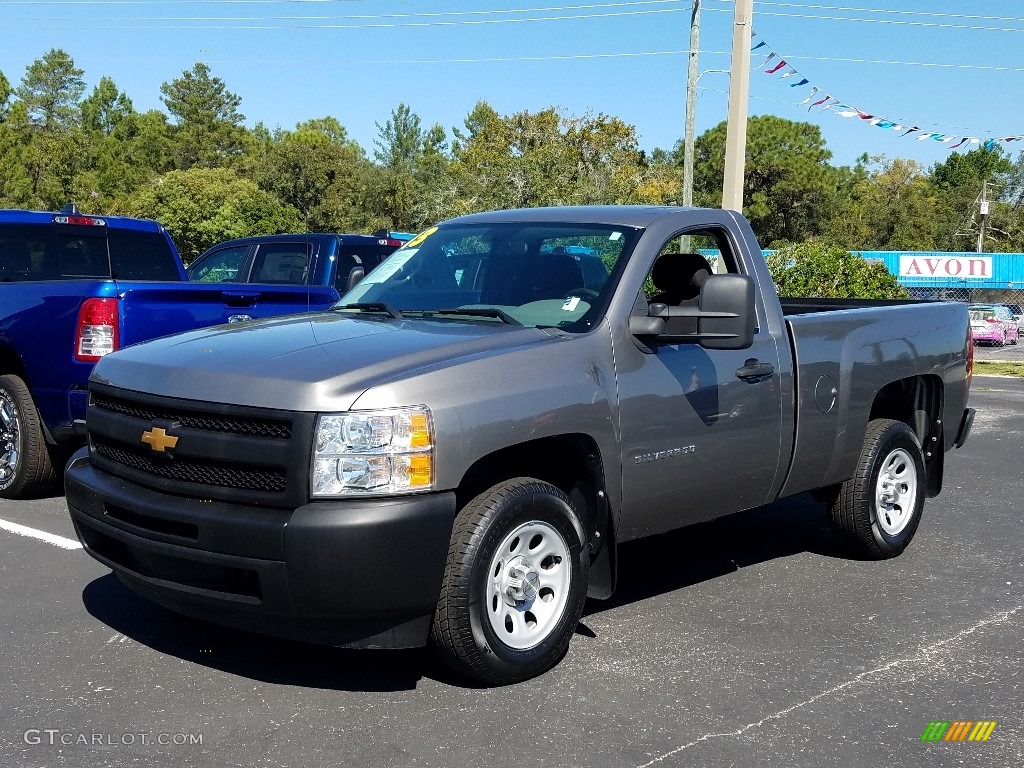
(353, 255)
(282, 263)
(682, 265)
(220, 266)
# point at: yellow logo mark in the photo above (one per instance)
(158, 439)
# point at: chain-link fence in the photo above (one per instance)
(993, 347)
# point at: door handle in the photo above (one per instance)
(754, 370)
(236, 299)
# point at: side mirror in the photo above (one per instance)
(727, 316)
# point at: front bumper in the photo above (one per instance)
(360, 573)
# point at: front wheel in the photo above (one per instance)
(877, 511)
(514, 583)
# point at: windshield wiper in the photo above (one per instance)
(373, 306)
(500, 314)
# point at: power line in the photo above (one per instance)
(933, 14)
(567, 57)
(368, 17)
(933, 25)
(80, 24)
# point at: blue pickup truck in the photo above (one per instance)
(76, 287)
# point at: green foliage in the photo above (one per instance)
(893, 206)
(106, 108)
(51, 89)
(203, 206)
(59, 143)
(209, 125)
(5, 97)
(547, 158)
(789, 184)
(820, 270)
(317, 170)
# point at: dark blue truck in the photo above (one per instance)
(308, 272)
(76, 287)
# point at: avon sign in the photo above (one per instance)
(976, 267)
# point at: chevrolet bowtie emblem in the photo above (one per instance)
(158, 439)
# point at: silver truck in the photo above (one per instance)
(453, 454)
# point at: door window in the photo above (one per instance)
(281, 263)
(220, 266)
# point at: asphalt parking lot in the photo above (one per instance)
(748, 641)
(1009, 353)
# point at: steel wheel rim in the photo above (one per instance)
(528, 584)
(896, 491)
(10, 440)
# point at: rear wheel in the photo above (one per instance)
(878, 510)
(514, 584)
(25, 466)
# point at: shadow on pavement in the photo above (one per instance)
(259, 657)
(675, 560)
(647, 568)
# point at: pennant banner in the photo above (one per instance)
(827, 102)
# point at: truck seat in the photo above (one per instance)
(678, 278)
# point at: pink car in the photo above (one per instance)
(993, 323)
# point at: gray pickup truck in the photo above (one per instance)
(453, 453)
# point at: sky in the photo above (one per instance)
(944, 66)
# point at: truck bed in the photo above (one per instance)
(842, 361)
(794, 306)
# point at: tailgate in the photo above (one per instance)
(149, 310)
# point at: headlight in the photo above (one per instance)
(373, 452)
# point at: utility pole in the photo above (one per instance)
(691, 105)
(984, 216)
(739, 96)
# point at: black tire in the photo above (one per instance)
(867, 529)
(462, 633)
(25, 467)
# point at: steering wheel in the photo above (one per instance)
(587, 294)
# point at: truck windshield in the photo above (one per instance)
(552, 275)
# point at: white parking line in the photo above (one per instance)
(49, 538)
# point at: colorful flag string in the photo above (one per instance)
(823, 101)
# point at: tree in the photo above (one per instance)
(15, 181)
(209, 127)
(789, 184)
(821, 270)
(892, 206)
(411, 186)
(320, 172)
(105, 108)
(960, 181)
(546, 158)
(204, 206)
(5, 97)
(51, 89)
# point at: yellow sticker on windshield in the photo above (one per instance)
(421, 237)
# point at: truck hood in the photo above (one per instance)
(305, 363)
